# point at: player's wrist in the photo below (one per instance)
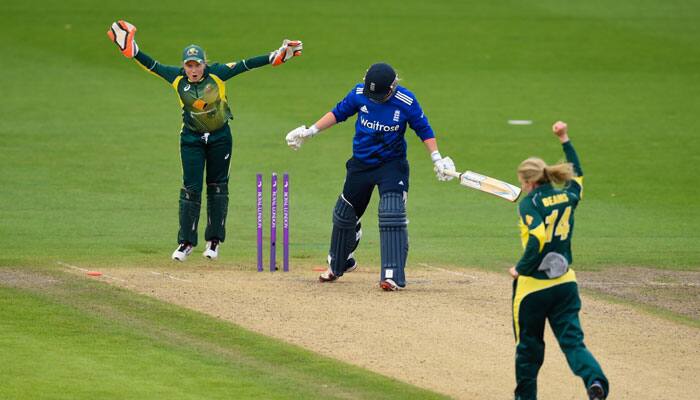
(435, 156)
(564, 138)
(313, 130)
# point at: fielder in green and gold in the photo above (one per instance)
(544, 286)
(205, 138)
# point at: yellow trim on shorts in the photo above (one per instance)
(528, 285)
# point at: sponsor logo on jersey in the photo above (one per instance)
(378, 126)
(397, 115)
(186, 88)
(364, 109)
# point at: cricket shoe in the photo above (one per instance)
(351, 263)
(212, 250)
(388, 285)
(327, 276)
(182, 251)
(596, 391)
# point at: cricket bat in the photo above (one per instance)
(487, 184)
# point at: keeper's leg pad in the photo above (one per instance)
(190, 203)
(217, 209)
(393, 236)
(343, 236)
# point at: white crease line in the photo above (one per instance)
(170, 276)
(448, 271)
(641, 284)
(71, 266)
(87, 270)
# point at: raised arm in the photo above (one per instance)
(123, 34)
(167, 72)
(575, 186)
(289, 49)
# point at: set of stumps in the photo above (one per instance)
(273, 221)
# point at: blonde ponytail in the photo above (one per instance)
(559, 173)
(535, 170)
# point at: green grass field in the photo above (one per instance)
(90, 163)
(67, 338)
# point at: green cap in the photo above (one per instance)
(193, 53)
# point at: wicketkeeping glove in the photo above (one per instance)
(122, 34)
(296, 137)
(289, 49)
(442, 165)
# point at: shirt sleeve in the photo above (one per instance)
(419, 122)
(346, 108)
(229, 70)
(574, 186)
(534, 238)
(167, 72)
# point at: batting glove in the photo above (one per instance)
(296, 137)
(442, 165)
(122, 34)
(289, 49)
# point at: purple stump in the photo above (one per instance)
(260, 220)
(273, 223)
(285, 222)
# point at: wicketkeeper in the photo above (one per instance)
(383, 109)
(205, 138)
(544, 286)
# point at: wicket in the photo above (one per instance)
(273, 221)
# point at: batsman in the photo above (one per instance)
(205, 137)
(384, 109)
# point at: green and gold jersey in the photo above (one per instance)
(547, 219)
(204, 104)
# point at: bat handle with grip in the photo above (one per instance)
(452, 173)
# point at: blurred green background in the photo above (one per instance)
(90, 164)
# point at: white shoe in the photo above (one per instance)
(182, 251)
(350, 263)
(212, 250)
(327, 276)
(389, 285)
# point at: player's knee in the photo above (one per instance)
(392, 210)
(217, 188)
(190, 195)
(344, 215)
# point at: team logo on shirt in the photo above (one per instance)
(377, 126)
(364, 109)
(397, 115)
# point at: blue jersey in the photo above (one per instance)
(380, 127)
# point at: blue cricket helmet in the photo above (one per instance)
(380, 82)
